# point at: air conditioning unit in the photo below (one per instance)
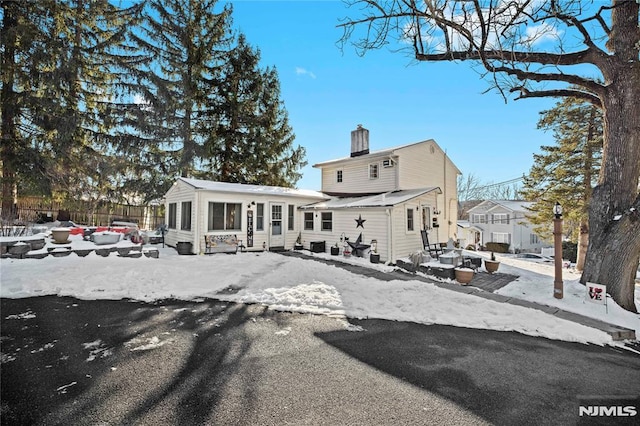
(388, 163)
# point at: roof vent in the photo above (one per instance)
(359, 141)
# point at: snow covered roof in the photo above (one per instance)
(465, 224)
(243, 188)
(511, 205)
(380, 200)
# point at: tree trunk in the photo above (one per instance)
(614, 212)
(583, 243)
(8, 134)
(583, 238)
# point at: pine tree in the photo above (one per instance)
(566, 171)
(186, 42)
(86, 50)
(253, 142)
(67, 79)
(21, 161)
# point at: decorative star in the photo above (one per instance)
(360, 222)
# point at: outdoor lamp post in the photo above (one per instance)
(557, 245)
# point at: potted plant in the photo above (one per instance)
(464, 274)
(298, 243)
(491, 265)
(335, 249)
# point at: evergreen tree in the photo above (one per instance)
(20, 161)
(567, 171)
(253, 142)
(67, 80)
(186, 42)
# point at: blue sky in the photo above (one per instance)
(328, 92)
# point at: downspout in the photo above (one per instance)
(444, 195)
(390, 237)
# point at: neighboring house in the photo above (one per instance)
(468, 235)
(501, 221)
(387, 195)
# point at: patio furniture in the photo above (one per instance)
(433, 249)
(220, 244)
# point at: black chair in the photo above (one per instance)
(433, 249)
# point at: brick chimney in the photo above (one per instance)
(359, 141)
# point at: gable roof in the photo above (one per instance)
(511, 205)
(243, 188)
(386, 199)
(383, 153)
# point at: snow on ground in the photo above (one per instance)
(304, 285)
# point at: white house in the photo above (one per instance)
(387, 196)
(501, 221)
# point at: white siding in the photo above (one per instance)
(344, 225)
(425, 164)
(178, 193)
(355, 177)
(418, 165)
(405, 241)
(199, 223)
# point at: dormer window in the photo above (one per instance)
(339, 176)
(373, 171)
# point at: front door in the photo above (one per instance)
(427, 224)
(276, 237)
(426, 218)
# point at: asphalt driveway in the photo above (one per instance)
(67, 361)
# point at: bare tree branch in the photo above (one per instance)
(526, 93)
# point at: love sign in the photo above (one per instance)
(597, 293)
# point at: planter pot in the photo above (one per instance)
(184, 247)
(374, 258)
(335, 251)
(297, 246)
(464, 275)
(491, 266)
(60, 235)
(104, 238)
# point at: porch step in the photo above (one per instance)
(277, 248)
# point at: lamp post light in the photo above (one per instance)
(557, 245)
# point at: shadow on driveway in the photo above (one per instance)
(66, 361)
(503, 377)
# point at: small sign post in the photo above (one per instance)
(597, 293)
